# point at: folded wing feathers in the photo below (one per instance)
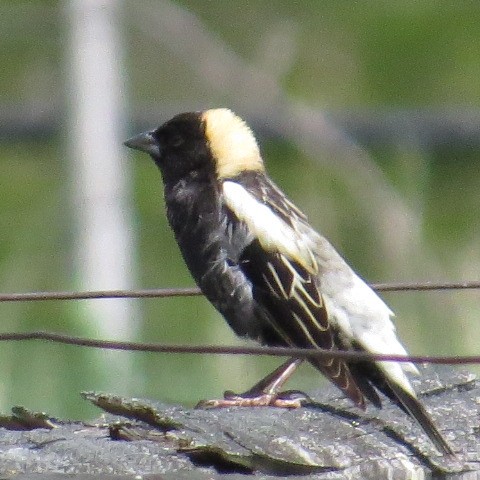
(271, 230)
(289, 273)
(283, 262)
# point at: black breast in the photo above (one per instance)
(209, 245)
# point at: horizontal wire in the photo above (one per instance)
(223, 350)
(97, 294)
(425, 286)
(186, 292)
(354, 356)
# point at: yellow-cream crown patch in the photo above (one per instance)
(231, 142)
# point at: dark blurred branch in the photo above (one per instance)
(24, 121)
(369, 127)
(453, 127)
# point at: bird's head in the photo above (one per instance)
(216, 139)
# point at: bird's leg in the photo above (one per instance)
(264, 393)
(275, 380)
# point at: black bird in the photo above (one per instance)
(266, 270)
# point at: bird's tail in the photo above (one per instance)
(338, 372)
(418, 412)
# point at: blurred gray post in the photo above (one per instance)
(100, 176)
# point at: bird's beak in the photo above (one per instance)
(145, 142)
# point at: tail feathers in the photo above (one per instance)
(364, 379)
(417, 411)
(338, 372)
(360, 382)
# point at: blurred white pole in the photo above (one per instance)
(100, 176)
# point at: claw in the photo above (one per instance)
(293, 399)
(264, 393)
(236, 401)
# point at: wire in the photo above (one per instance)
(234, 350)
(186, 292)
(425, 286)
(87, 295)
(224, 350)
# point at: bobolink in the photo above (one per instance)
(266, 270)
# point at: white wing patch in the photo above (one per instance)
(272, 232)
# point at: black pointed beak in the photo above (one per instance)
(145, 142)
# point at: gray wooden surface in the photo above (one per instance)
(327, 439)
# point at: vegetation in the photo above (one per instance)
(386, 64)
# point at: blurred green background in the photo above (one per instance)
(368, 117)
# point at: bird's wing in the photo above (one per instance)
(283, 271)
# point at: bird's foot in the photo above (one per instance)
(290, 399)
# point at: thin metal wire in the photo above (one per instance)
(224, 350)
(426, 286)
(186, 292)
(233, 350)
(96, 294)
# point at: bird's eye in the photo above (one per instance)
(176, 141)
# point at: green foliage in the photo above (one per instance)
(346, 55)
